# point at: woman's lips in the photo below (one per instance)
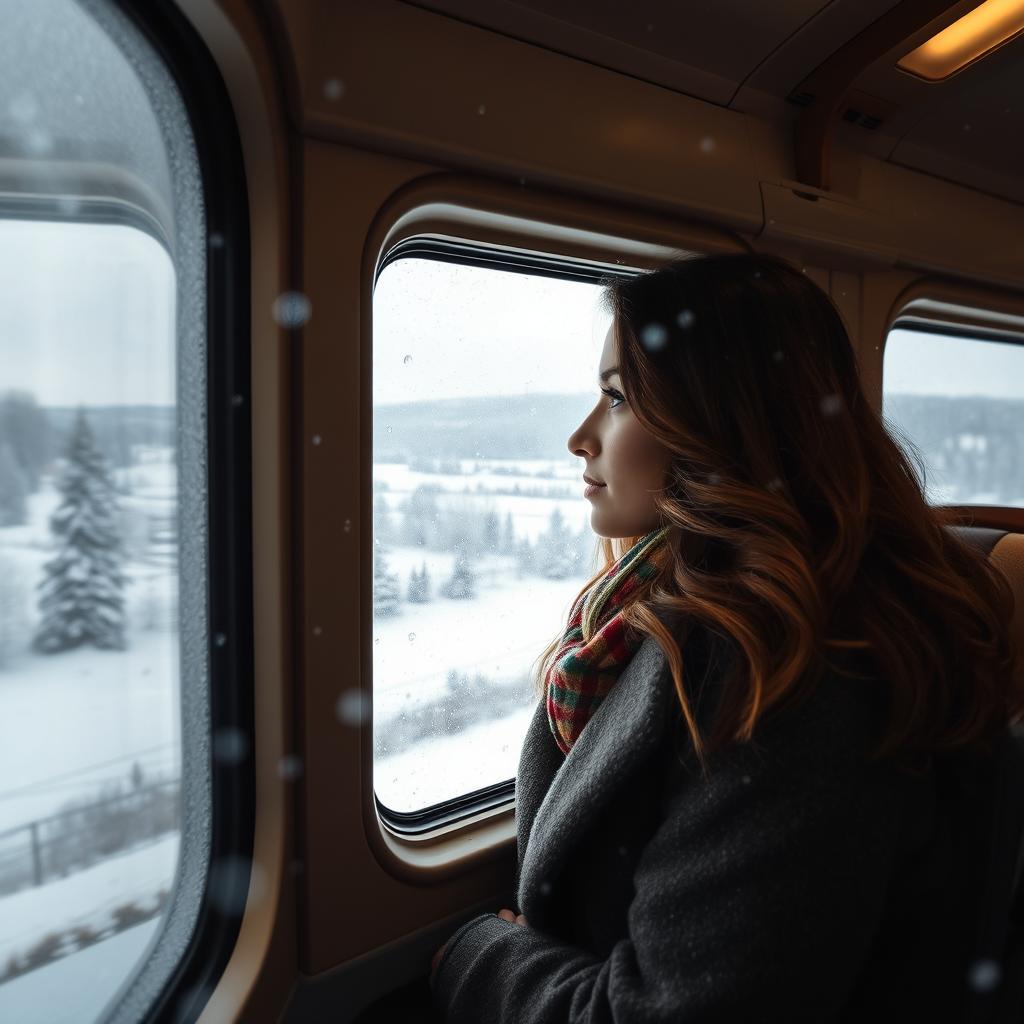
(592, 489)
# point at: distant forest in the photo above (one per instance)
(978, 442)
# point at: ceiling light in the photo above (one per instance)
(970, 38)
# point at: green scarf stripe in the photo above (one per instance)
(591, 657)
(598, 596)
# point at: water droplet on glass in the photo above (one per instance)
(412, 636)
(237, 400)
(831, 404)
(316, 439)
(522, 183)
(778, 355)
(291, 309)
(653, 337)
(389, 430)
(984, 975)
(69, 205)
(230, 745)
(353, 707)
(318, 630)
(216, 240)
(334, 88)
(746, 780)
(348, 526)
(407, 360)
(289, 767)
(707, 144)
(545, 887)
(685, 319)
(481, 109)
(220, 639)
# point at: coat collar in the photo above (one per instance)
(559, 796)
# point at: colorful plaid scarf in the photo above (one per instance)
(597, 646)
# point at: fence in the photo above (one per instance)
(82, 835)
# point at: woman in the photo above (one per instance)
(732, 799)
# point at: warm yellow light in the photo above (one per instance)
(971, 37)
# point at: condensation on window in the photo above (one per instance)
(481, 532)
(104, 781)
(960, 402)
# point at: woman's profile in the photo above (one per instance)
(730, 803)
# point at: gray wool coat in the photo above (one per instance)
(797, 884)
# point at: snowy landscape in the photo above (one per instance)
(476, 561)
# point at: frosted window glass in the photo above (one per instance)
(960, 400)
(102, 455)
(481, 533)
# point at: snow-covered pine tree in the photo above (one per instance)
(13, 488)
(557, 549)
(419, 586)
(81, 596)
(461, 585)
(386, 595)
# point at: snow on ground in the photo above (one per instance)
(481, 490)
(76, 720)
(450, 766)
(498, 634)
(75, 989)
(85, 897)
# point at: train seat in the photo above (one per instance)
(996, 974)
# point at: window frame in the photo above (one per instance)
(961, 309)
(474, 222)
(179, 991)
(465, 252)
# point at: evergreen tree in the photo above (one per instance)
(13, 489)
(461, 585)
(386, 596)
(81, 598)
(419, 586)
(508, 541)
(491, 532)
(557, 554)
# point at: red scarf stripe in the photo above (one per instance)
(584, 670)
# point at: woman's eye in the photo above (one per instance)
(613, 395)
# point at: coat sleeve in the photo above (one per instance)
(756, 900)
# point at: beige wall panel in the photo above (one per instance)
(351, 904)
(466, 97)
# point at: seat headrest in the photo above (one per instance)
(1005, 550)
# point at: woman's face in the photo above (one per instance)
(622, 455)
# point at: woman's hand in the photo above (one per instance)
(510, 915)
(505, 915)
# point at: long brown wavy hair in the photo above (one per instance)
(797, 524)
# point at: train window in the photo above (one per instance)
(107, 765)
(481, 534)
(959, 399)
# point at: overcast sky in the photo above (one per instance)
(86, 316)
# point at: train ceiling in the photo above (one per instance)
(775, 60)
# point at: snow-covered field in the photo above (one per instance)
(86, 898)
(80, 720)
(76, 988)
